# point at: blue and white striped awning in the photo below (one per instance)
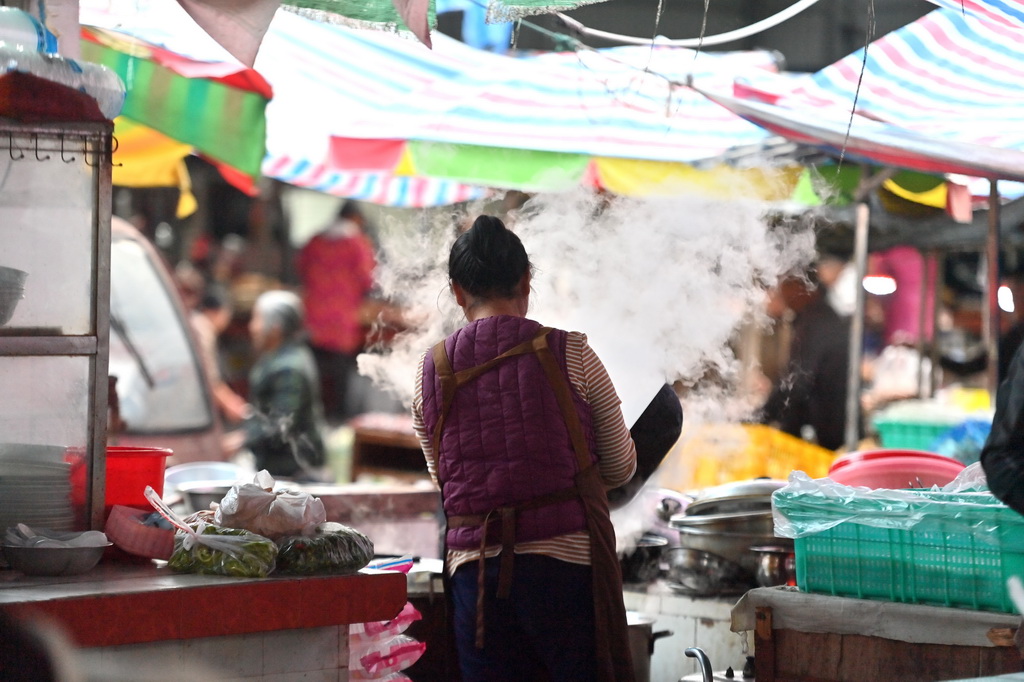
(1007, 12)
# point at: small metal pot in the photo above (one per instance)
(640, 629)
(776, 566)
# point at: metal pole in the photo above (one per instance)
(990, 327)
(860, 261)
(940, 277)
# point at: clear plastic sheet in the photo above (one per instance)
(807, 506)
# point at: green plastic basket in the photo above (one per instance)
(941, 561)
(910, 435)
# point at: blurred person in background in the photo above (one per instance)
(209, 315)
(283, 427)
(215, 311)
(808, 400)
(336, 270)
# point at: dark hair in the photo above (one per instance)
(349, 210)
(488, 260)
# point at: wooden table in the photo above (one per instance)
(385, 445)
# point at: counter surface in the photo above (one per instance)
(127, 604)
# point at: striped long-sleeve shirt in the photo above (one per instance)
(616, 455)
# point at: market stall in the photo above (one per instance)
(65, 492)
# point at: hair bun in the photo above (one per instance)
(488, 259)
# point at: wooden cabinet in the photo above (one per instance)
(803, 637)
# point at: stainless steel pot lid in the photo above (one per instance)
(727, 520)
(738, 496)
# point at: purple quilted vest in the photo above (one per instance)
(505, 440)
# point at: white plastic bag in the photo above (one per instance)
(257, 507)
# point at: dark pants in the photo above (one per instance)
(336, 370)
(544, 630)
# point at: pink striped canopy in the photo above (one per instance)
(941, 95)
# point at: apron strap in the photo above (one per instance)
(447, 377)
(563, 393)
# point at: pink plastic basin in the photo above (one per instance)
(894, 469)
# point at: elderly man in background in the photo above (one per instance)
(283, 429)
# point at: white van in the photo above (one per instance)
(163, 393)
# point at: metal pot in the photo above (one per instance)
(641, 633)
(739, 496)
(698, 573)
(776, 565)
(643, 564)
(728, 535)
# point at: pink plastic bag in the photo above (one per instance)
(389, 657)
(364, 635)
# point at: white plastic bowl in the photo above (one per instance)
(211, 473)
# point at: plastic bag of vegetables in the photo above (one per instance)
(205, 548)
(333, 549)
(223, 551)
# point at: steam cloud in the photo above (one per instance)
(659, 285)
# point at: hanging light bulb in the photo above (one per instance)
(1005, 298)
(879, 285)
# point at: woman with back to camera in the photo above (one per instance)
(522, 431)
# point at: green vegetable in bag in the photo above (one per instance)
(334, 549)
(214, 550)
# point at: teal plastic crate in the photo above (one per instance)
(910, 435)
(960, 556)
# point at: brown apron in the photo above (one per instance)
(614, 663)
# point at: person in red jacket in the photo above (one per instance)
(336, 268)
(522, 431)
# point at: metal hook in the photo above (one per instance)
(62, 157)
(85, 148)
(11, 148)
(35, 137)
(114, 145)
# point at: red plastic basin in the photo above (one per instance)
(129, 471)
(894, 469)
